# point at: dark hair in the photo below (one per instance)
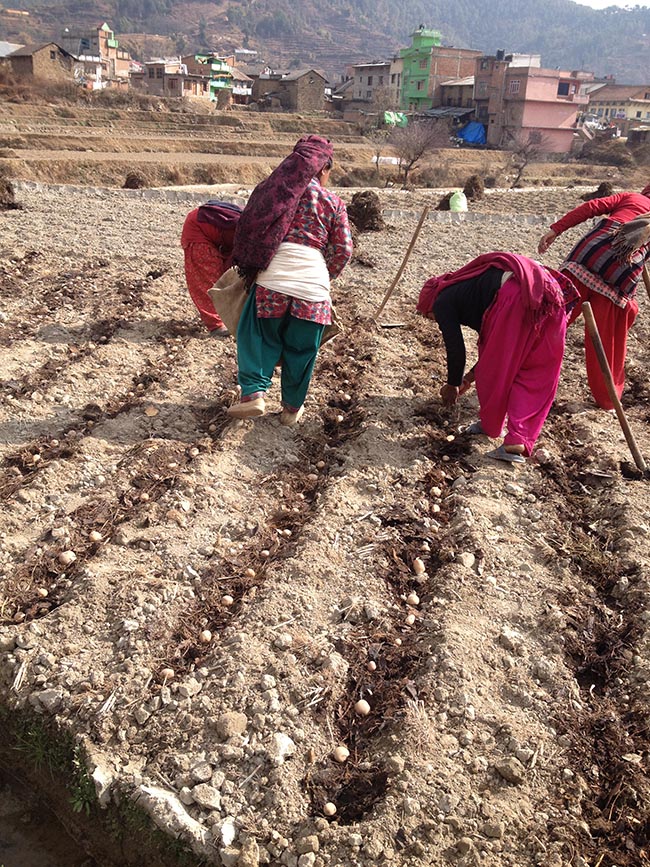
(328, 165)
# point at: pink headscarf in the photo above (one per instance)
(543, 288)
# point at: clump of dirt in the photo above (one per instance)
(365, 212)
(135, 181)
(604, 189)
(7, 193)
(445, 202)
(474, 188)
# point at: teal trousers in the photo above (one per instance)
(261, 343)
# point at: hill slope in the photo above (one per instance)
(335, 32)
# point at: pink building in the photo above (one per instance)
(520, 102)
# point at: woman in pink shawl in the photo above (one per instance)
(519, 309)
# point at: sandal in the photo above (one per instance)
(501, 454)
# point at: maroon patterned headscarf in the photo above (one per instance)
(273, 203)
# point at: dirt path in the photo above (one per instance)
(508, 704)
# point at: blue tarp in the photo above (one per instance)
(473, 133)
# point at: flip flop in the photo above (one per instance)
(501, 454)
(476, 429)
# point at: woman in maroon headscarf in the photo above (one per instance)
(292, 239)
(605, 278)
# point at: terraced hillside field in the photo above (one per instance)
(201, 603)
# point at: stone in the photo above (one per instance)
(464, 845)
(249, 855)
(395, 764)
(202, 772)
(512, 770)
(283, 641)
(185, 796)
(231, 723)
(141, 715)
(189, 688)
(310, 843)
(281, 748)
(467, 559)
(307, 860)
(167, 812)
(207, 796)
(229, 856)
(494, 830)
(510, 639)
(51, 699)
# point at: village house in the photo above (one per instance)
(297, 90)
(622, 104)
(99, 55)
(518, 101)
(44, 62)
(427, 63)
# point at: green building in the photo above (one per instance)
(417, 69)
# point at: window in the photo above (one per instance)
(482, 88)
(420, 85)
(368, 94)
(646, 96)
(563, 88)
(151, 73)
(159, 72)
(52, 55)
(392, 78)
(423, 63)
(513, 87)
(381, 79)
(638, 114)
(369, 80)
(172, 84)
(535, 137)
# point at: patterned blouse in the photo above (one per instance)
(321, 221)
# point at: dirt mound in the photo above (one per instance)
(604, 189)
(365, 212)
(474, 188)
(445, 202)
(7, 194)
(135, 181)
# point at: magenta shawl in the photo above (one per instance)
(273, 203)
(543, 288)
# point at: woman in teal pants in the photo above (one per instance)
(289, 301)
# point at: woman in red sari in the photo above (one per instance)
(207, 239)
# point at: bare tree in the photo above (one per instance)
(412, 142)
(378, 136)
(526, 148)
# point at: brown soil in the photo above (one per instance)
(508, 719)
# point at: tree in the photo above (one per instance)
(525, 148)
(379, 137)
(412, 142)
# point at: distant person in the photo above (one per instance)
(207, 239)
(519, 309)
(292, 239)
(605, 278)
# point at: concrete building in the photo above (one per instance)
(427, 64)
(622, 104)
(98, 47)
(458, 92)
(520, 103)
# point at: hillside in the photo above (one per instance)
(332, 33)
